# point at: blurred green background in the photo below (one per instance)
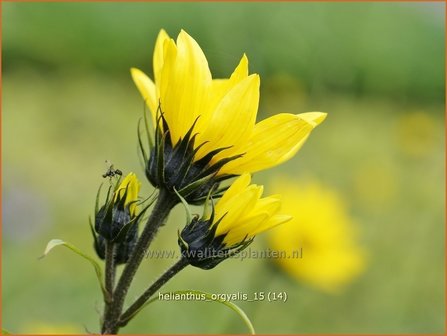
(69, 104)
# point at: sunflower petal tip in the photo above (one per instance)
(321, 116)
(313, 118)
(183, 33)
(255, 78)
(134, 71)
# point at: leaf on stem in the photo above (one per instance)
(209, 297)
(57, 242)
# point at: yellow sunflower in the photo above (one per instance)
(214, 118)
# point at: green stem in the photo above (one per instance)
(110, 270)
(139, 303)
(110, 267)
(163, 206)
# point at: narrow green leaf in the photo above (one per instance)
(209, 297)
(57, 242)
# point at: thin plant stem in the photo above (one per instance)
(110, 267)
(139, 303)
(163, 206)
(109, 276)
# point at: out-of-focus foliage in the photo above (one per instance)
(360, 48)
(69, 104)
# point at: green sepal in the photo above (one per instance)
(186, 206)
(123, 232)
(193, 186)
(122, 200)
(181, 240)
(160, 155)
(140, 143)
(117, 183)
(108, 217)
(207, 213)
(108, 193)
(93, 231)
(149, 133)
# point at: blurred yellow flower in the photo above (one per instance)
(44, 328)
(222, 112)
(375, 186)
(418, 133)
(321, 226)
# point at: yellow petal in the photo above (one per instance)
(158, 58)
(234, 208)
(132, 185)
(220, 87)
(269, 205)
(253, 226)
(163, 85)
(274, 140)
(314, 118)
(185, 80)
(233, 120)
(262, 217)
(147, 90)
(244, 229)
(271, 223)
(238, 186)
(241, 70)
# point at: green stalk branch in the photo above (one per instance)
(110, 270)
(163, 206)
(140, 302)
(110, 267)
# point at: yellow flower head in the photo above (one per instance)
(323, 230)
(129, 189)
(236, 219)
(217, 117)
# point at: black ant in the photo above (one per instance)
(111, 172)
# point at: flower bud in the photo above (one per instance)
(120, 210)
(117, 220)
(123, 249)
(236, 219)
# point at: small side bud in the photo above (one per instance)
(118, 219)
